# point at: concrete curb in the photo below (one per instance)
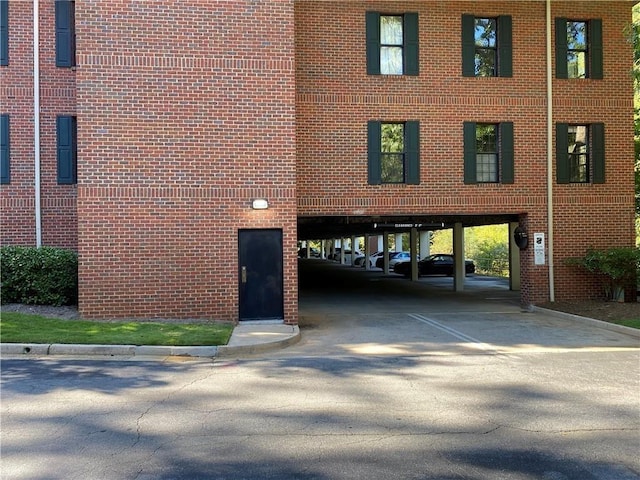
(33, 349)
(634, 332)
(251, 341)
(245, 340)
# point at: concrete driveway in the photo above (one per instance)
(351, 310)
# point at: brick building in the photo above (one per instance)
(160, 124)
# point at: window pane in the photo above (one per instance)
(577, 64)
(487, 167)
(578, 140)
(392, 167)
(392, 138)
(486, 138)
(391, 60)
(577, 35)
(579, 165)
(391, 30)
(485, 32)
(485, 62)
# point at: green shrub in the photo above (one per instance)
(617, 267)
(39, 276)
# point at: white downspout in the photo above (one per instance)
(36, 119)
(550, 154)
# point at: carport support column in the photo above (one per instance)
(458, 255)
(425, 244)
(353, 250)
(367, 252)
(385, 257)
(398, 242)
(413, 248)
(514, 259)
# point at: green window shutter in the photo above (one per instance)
(561, 48)
(66, 138)
(412, 153)
(596, 69)
(4, 32)
(5, 171)
(506, 152)
(373, 43)
(470, 176)
(468, 46)
(374, 139)
(411, 40)
(64, 34)
(563, 174)
(505, 47)
(597, 152)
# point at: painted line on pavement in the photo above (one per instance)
(455, 333)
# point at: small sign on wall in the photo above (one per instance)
(538, 248)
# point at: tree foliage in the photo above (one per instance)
(487, 246)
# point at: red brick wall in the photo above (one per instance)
(186, 112)
(189, 109)
(57, 97)
(336, 98)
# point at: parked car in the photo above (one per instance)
(347, 255)
(438, 264)
(314, 253)
(372, 259)
(400, 257)
(359, 261)
(394, 257)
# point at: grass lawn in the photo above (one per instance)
(22, 328)
(631, 322)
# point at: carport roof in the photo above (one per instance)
(337, 226)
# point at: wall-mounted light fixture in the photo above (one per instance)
(260, 204)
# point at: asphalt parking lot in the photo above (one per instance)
(391, 380)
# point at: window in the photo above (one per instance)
(579, 49)
(4, 32)
(487, 46)
(578, 140)
(391, 40)
(5, 172)
(488, 152)
(65, 33)
(580, 153)
(392, 44)
(393, 150)
(66, 128)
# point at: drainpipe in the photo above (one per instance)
(36, 119)
(550, 155)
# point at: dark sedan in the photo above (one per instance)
(438, 264)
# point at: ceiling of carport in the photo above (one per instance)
(325, 227)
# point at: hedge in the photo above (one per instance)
(39, 276)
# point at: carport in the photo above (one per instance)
(329, 229)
